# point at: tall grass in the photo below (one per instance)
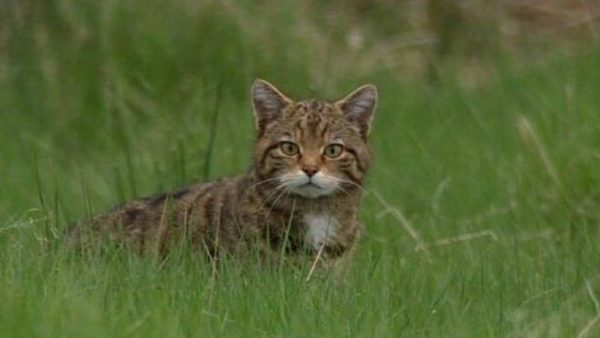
(481, 212)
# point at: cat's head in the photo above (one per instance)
(312, 148)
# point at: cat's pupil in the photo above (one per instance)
(289, 148)
(333, 150)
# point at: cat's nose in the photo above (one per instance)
(310, 171)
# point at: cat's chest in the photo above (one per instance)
(321, 229)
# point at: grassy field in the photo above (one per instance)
(482, 211)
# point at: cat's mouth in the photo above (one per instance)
(310, 185)
(311, 190)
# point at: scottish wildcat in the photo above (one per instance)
(301, 195)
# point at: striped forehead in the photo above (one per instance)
(312, 118)
(311, 107)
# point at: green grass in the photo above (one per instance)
(104, 101)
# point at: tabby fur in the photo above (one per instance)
(300, 198)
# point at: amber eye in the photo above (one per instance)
(289, 148)
(333, 150)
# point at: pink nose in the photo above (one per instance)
(310, 172)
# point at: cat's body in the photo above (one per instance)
(301, 196)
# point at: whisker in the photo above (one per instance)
(285, 191)
(341, 181)
(263, 182)
(281, 189)
(274, 192)
(354, 184)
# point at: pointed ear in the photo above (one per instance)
(268, 103)
(359, 106)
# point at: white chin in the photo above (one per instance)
(311, 191)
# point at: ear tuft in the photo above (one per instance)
(268, 103)
(359, 106)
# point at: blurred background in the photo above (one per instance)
(105, 100)
(481, 209)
